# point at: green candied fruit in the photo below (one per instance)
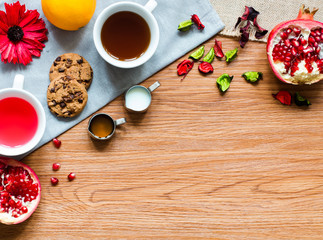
(209, 57)
(224, 81)
(231, 55)
(197, 54)
(185, 25)
(300, 100)
(252, 76)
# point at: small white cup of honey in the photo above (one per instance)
(126, 34)
(102, 126)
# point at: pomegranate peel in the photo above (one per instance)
(294, 49)
(19, 191)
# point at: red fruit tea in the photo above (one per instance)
(18, 121)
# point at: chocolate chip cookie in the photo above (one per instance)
(66, 97)
(74, 65)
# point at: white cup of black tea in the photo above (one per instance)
(22, 119)
(126, 34)
(102, 126)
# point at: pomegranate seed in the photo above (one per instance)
(318, 38)
(309, 49)
(288, 54)
(311, 40)
(288, 59)
(54, 181)
(317, 32)
(24, 209)
(294, 51)
(283, 35)
(57, 142)
(296, 31)
(71, 176)
(18, 204)
(302, 41)
(317, 50)
(287, 42)
(56, 166)
(295, 43)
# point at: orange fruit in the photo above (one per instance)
(69, 14)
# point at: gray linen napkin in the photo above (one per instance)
(109, 82)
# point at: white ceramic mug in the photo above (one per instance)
(145, 13)
(18, 91)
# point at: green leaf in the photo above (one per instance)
(198, 53)
(231, 55)
(252, 76)
(224, 81)
(300, 100)
(185, 25)
(209, 56)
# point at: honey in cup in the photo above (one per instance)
(125, 36)
(101, 126)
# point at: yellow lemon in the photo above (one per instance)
(69, 14)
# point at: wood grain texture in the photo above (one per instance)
(197, 165)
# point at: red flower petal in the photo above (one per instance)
(35, 36)
(24, 55)
(6, 53)
(4, 41)
(14, 12)
(3, 23)
(29, 18)
(34, 44)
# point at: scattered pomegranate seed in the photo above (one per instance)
(71, 176)
(57, 142)
(54, 181)
(56, 166)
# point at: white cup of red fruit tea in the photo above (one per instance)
(126, 34)
(22, 119)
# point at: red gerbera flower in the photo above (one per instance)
(21, 34)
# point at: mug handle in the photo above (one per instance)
(150, 5)
(120, 121)
(154, 86)
(18, 82)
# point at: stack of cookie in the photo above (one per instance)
(70, 75)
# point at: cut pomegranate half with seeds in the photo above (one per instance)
(294, 49)
(19, 191)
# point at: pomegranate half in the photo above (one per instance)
(19, 191)
(295, 49)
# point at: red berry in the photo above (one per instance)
(57, 142)
(56, 166)
(71, 176)
(54, 181)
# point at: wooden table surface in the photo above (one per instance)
(198, 165)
